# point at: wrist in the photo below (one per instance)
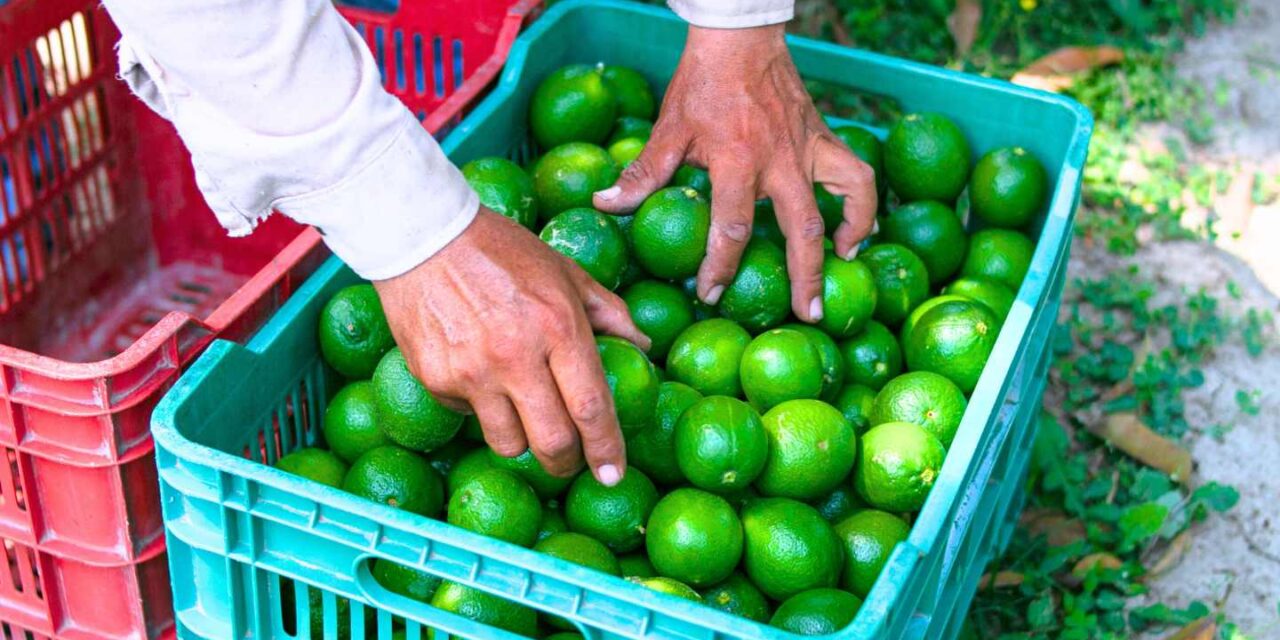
(728, 42)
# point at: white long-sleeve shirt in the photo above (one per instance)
(282, 108)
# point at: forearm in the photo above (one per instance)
(282, 108)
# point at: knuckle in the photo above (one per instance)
(638, 171)
(590, 408)
(811, 227)
(737, 231)
(558, 443)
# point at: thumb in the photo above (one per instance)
(650, 171)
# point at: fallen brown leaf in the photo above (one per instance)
(1127, 433)
(1057, 70)
(1001, 580)
(1054, 525)
(1205, 628)
(1101, 559)
(963, 25)
(1172, 554)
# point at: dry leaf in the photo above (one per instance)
(1172, 554)
(1056, 71)
(1203, 629)
(1001, 580)
(1054, 525)
(963, 25)
(1127, 433)
(1105, 560)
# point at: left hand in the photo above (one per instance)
(738, 107)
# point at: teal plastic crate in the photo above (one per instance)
(253, 549)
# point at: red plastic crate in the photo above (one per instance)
(114, 275)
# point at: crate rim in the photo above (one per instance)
(924, 533)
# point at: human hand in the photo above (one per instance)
(738, 107)
(498, 322)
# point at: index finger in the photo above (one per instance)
(575, 365)
(846, 175)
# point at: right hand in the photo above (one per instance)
(499, 323)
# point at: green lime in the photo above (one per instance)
(817, 612)
(569, 175)
(498, 504)
(897, 466)
(909, 325)
(697, 179)
(653, 448)
(613, 515)
(902, 281)
(467, 467)
(849, 296)
(485, 608)
(828, 355)
(872, 357)
(581, 550)
(736, 595)
(866, 146)
(633, 272)
(707, 355)
(634, 95)
(789, 547)
(629, 127)
(404, 581)
(670, 232)
(625, 151)
(694, 537)
(408, 414)
(855, 402)
(398, 478)
(351, 421)
(721, 444)
(563, 635)
(765, 225)
(526, 466)
(636, 565)
(780, 365)
(444, 458)
(923, 398)
(933, 232)
(996, 296)
(340, 609)
(841, 503)
(1008, 187)
(632, 379)
(314, 464)
(811, 450)
(573, 104)
(503, 186)
(830, 207)
(953, 339)
(353, 331)
(759, 297)
(869, 537)
(591, 239)
(552, 521)
(926, 157)
(999, 255)
(661, 311)
(668, 586)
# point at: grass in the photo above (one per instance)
(1099, 522)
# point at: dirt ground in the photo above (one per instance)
(1235, 559)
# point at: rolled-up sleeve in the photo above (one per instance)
(282, 108)
(733, 14)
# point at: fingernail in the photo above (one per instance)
(608, 475)
(610, 193)
(713, 296)
(645, 343)
(815, 309)
(875, 226)
(851, 253)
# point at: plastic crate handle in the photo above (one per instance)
(380, 597)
